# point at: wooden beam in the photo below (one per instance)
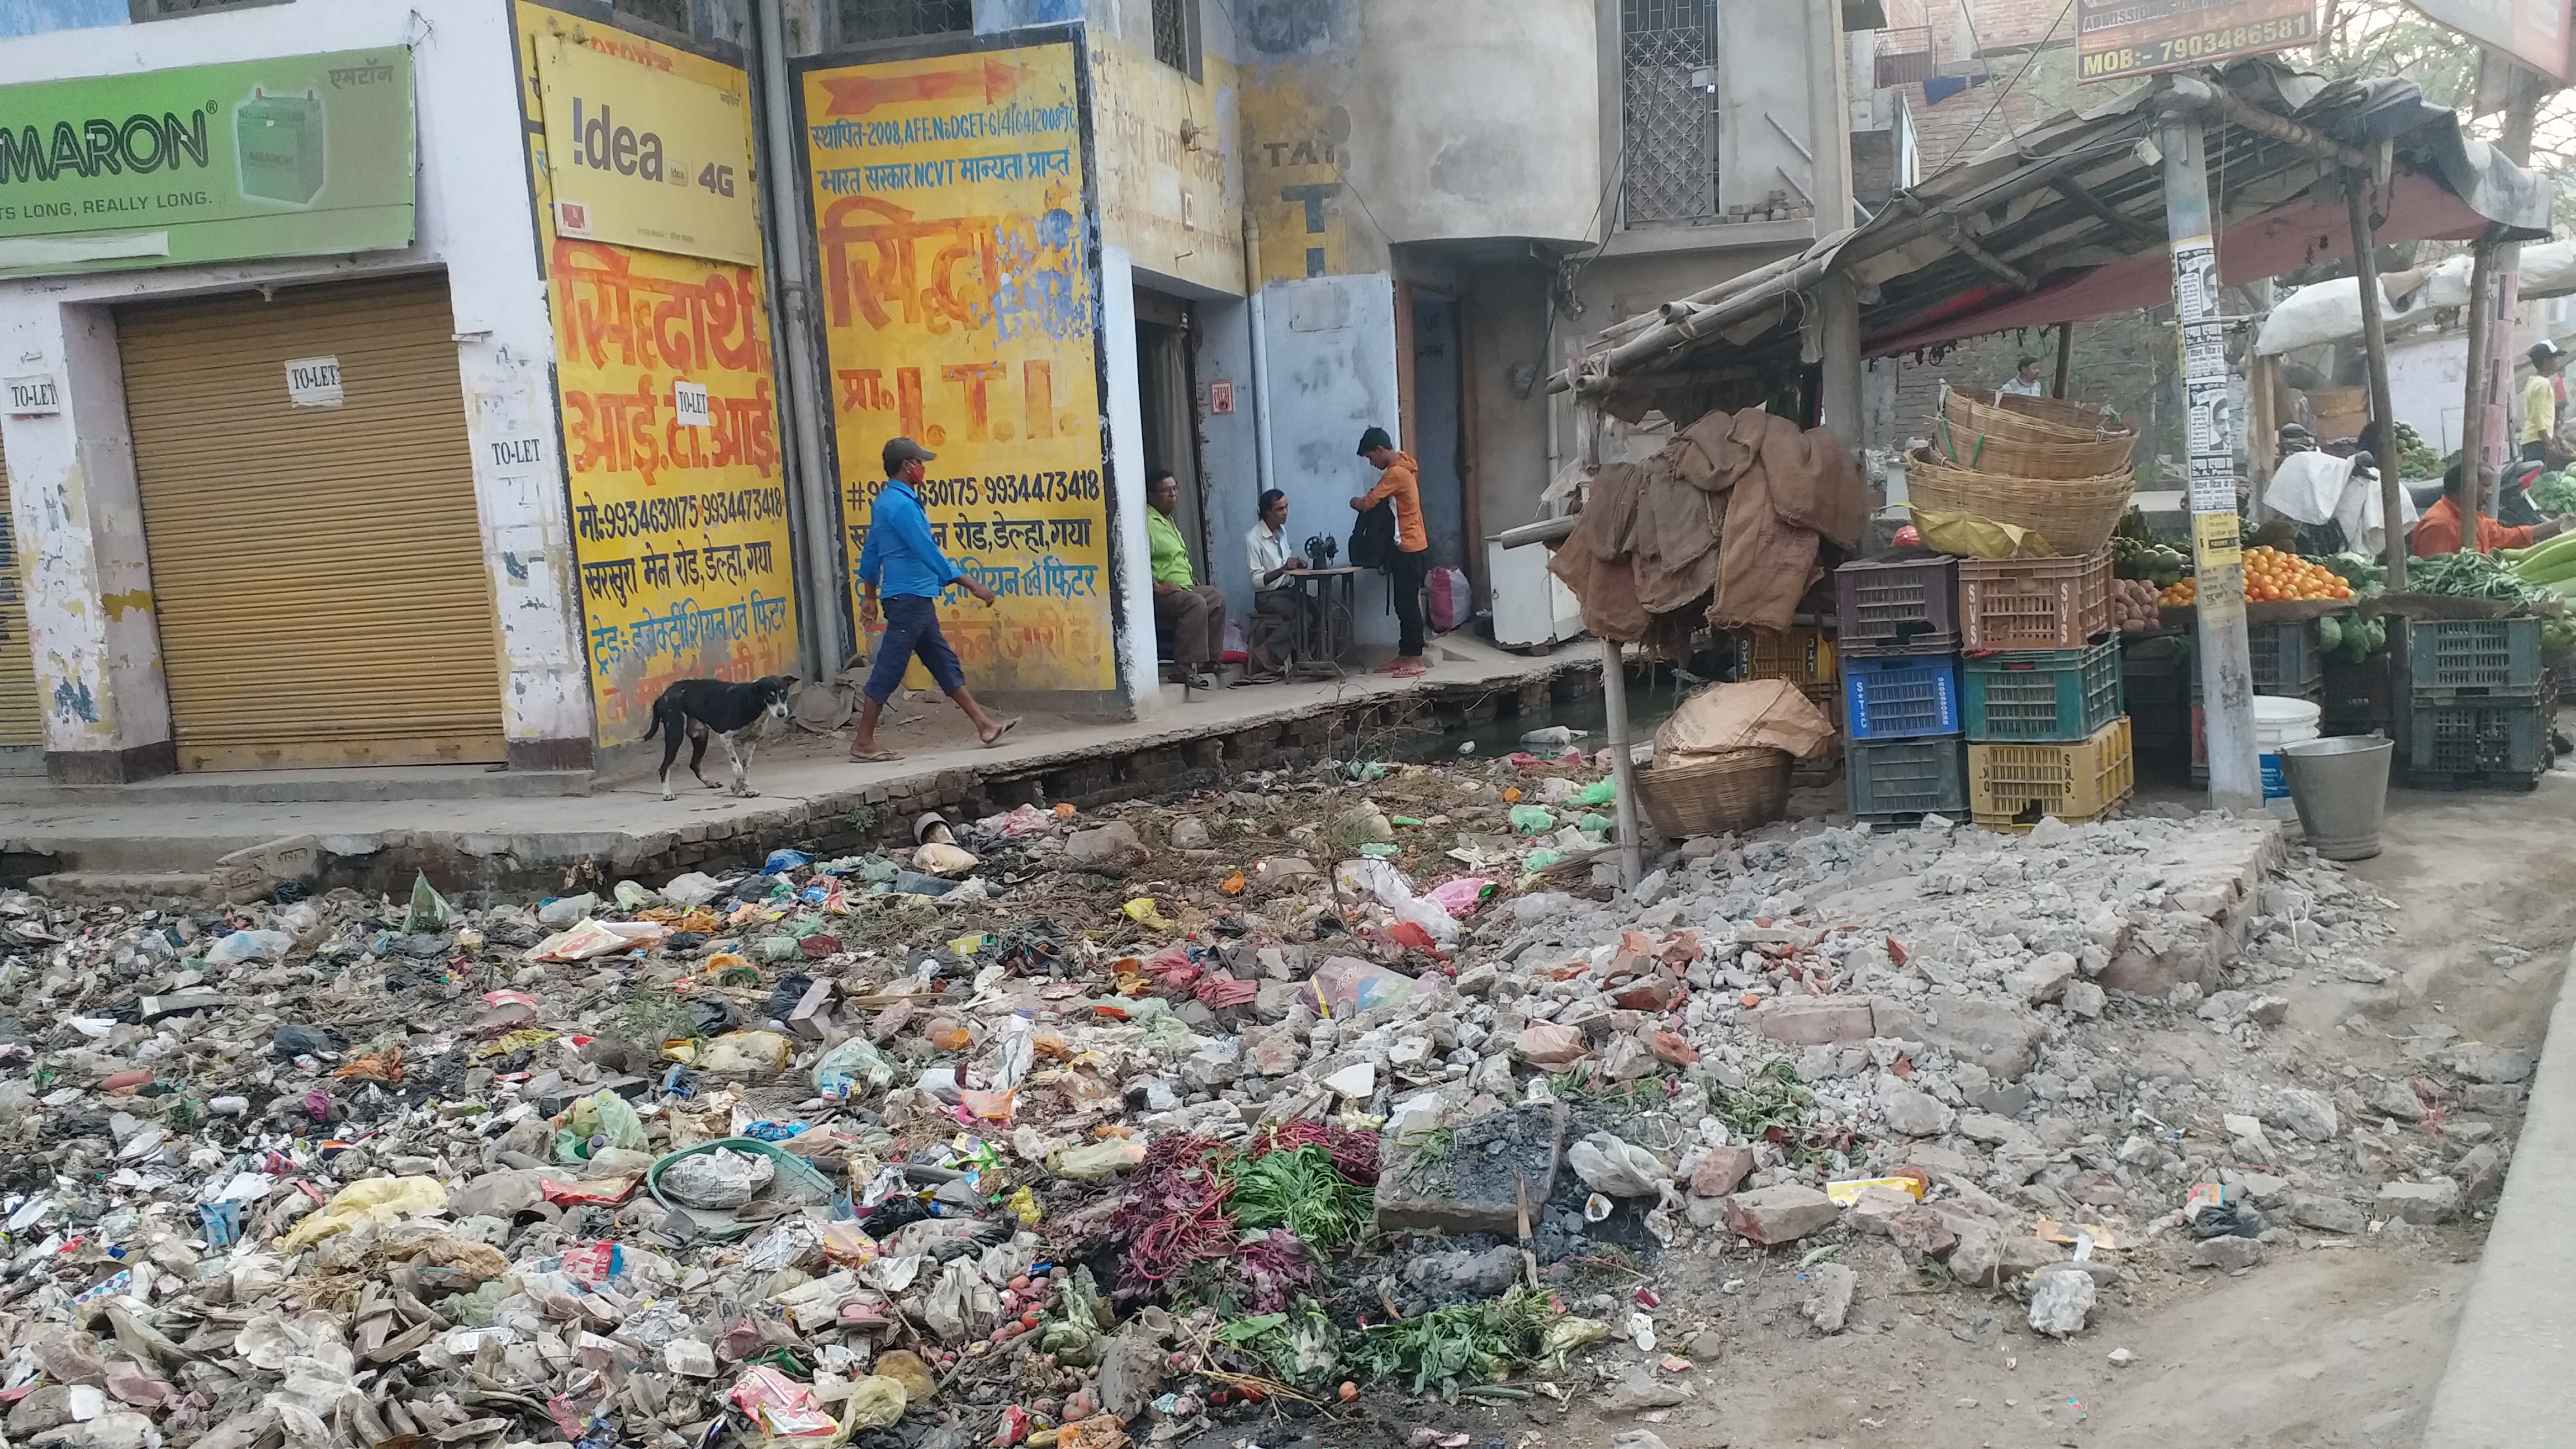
(1968, 248)
(2102, 211)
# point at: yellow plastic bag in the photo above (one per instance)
(1965, 535)
(377, 1200)
(1144, 912)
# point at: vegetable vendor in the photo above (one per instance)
(2440, 531)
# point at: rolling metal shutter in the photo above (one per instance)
(317, 572)
(22, 719)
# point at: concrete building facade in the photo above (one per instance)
(1223, 239)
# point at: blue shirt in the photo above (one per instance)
(900, 557)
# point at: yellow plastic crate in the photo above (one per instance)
(2011, 786)
(1803, 654)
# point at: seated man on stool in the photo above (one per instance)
(1276, 598)
(1190, 614)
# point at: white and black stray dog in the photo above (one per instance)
(741, 714)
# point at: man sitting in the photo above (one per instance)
(1276, 599)
(1191, 615)
(2441, 530)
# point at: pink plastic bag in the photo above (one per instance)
(1451, 600)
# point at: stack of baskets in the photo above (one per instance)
(2058, 469)
(2046, 731)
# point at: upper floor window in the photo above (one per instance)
(1176, 35)
(1668, 75)
(861, 22)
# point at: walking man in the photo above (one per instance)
(1399, 479)
(901, 561)
(2540, 401)
(1190, 614)
(2025, 379)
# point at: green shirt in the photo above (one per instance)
(1171, 551)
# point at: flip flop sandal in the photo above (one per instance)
(1004, 732)
(874, 757)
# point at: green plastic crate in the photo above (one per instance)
(2471, 657)
(2042, 696)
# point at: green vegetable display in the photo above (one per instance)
(2548, 567)
(2136, 558)
(2473, 576)
(2415, 457)
(2351, 636)
(2555, 492)
(2367, 575)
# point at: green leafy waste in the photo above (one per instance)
(1773, 1096)
(1300, 1190)
(1452, 1348)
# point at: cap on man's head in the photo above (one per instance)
(2546, 351)
(1374, 439)
(899, 451)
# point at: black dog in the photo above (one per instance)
(741, 713)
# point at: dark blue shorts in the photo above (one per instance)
(912, 627)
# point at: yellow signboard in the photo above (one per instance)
(647, 155)
(961, 309)
(670, 432)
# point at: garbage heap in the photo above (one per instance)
(1071, 1130)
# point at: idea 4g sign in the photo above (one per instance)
(294, 156)
(643, 156)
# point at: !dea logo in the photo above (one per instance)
(600, 144)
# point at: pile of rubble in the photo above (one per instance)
(1067, 1129)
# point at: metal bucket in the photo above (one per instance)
(2340, 786)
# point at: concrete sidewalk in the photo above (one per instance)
(2511, 1383)
(490, 827)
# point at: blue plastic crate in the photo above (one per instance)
(1901, 696)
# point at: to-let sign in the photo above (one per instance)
(313, 382)
(689, 405)
(2115, 39)
(36, 395)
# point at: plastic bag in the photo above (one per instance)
(1094, 1161)
(374, 1200)
(588, 938)
(874, 1403)
(1621, 1169)
(602, 1119)
(1346, 986)
(696, 888)
(1451, 599)
(785, 860)
(1395, 893)
(845, 1067)
(719, 1181)
(1599, 792)
(429, 910)
(1532, 820)
(1965, 535)
(250, 946)
(737, 1054)
(633, 895)
(961, 1302)
(1460, 896)
(941, 858)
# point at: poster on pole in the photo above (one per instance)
(2535, 33)
(960, 289)
(2118, 39)
(2208, 412)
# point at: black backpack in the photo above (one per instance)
(1373, 538)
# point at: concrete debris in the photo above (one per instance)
(1832, 1300)
(2060, 1300)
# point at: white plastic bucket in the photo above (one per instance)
(2278, 721)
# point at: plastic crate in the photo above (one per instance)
(1898, 607)
(2011, 787)
(2034, 603)
(2477, 742)
(2152, 691)
(1901, 696)
(1803, 654)
(2286, 659)
(2471, 657)
(2042, 696)
(2358, 698)
(1898, 782)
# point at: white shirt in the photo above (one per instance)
(2019, 388)
(1264, 549)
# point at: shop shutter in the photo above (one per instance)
(22, 721)
(317, 573)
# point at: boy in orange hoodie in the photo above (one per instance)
(1399, 478)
